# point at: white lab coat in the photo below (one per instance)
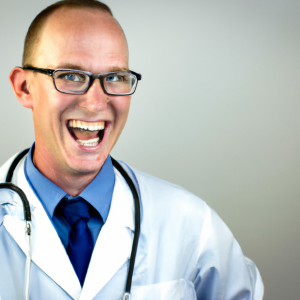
(185, 251)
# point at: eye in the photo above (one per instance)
(115, 78)
(72, 77)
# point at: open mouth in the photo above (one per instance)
(88, 134)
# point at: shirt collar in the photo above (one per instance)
(98, 193)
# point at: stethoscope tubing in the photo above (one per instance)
(14, 164)
(27, 217)
(11, 186)
(137, 226)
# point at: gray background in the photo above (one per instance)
(217, 112)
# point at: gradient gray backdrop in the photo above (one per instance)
(217, 112)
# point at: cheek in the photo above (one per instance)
(121, 107)
(51, 103)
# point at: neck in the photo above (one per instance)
(73, 183)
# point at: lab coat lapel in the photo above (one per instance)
(48, 252)
(113, 246)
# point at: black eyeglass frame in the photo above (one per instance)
(92, 77)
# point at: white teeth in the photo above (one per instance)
(92, 126)
(89, 143)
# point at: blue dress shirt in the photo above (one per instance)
(98, 193)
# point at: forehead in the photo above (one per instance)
(88, 38)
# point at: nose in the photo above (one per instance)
(94, 99)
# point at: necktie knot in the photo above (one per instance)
(75, 210)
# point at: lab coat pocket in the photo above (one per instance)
(170, 290)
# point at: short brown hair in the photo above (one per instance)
(35, 29)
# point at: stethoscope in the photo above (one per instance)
(27, 217)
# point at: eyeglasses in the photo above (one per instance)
(75, 82)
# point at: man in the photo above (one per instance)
(82, 208)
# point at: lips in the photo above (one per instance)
(88, 134)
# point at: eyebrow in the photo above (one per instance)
(78, 67)
(70, 66)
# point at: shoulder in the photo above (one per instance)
(164, 196)
(169, 203)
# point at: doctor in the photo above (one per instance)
(82, 209)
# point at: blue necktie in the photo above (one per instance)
(80, 245)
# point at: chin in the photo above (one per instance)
(89, 165)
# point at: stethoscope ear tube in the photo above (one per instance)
(137, 208)
(28, 259)
(11, 186)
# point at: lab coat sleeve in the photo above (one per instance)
(222, 270)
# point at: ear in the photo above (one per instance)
(20, 85)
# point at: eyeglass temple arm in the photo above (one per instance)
(43, 71)
(138, 76)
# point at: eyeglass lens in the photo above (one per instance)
(75, 82)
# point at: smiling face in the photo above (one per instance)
(75, 133)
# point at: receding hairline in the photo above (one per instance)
(61, 13)
(36, 29)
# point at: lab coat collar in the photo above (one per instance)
(112, 249)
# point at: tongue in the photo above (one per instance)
(82, 134)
